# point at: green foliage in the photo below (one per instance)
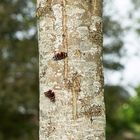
(18, 72)
(127, 117)
(123, 114)
(122, 110)
(112, 44)
(136, 3)
(115, 95)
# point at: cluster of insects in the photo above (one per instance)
(50, 94)
(60, 56)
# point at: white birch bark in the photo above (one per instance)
(76, 110)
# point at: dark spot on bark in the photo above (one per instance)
(50, 94)
(60, 56)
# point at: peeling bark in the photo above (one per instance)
(71, 72)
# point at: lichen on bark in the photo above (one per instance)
(75, 28)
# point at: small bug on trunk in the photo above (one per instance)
(60, 56)
(50, 94)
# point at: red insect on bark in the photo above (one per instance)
(50, 94)
(60, 56)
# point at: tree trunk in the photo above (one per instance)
(71, 78)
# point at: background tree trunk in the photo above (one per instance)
(71, 78)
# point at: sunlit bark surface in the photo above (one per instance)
(71, 77)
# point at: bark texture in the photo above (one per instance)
(71, 77)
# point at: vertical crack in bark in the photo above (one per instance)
(75, 90)
(97, 8)
(74, 105)
(65, 38)
(75, 87)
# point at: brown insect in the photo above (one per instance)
(51, 95)
(60, 56)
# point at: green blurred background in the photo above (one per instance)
(19, 86)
